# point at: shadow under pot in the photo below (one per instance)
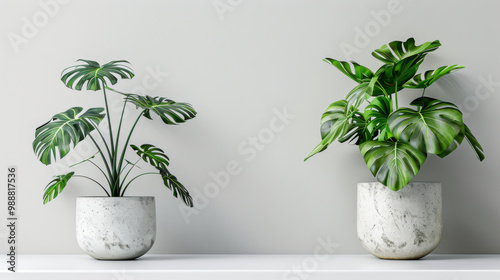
(405, 224)
(115, 228)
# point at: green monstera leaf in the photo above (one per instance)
(394, 164)
(454, 145)
(56, 186)
(395, 51)
(334, 122)
(429, 77)
(431, 129)
(169, 111)
(178, 189)
(357, 130)
(474, 143)
(377, 114)
(151, 154)
(95, 75)
(58, 136)
(465, 133)
(360, 74)
(392, 77)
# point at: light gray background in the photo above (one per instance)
(236, 69)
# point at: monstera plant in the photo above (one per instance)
(393, 140)
(57, 137)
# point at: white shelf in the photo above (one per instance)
(256, 267)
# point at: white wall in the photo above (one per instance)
(237, 70)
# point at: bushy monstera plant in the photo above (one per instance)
(57, 137)
(395, 141)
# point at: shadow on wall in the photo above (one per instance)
(469, 210)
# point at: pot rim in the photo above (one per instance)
(418, 182)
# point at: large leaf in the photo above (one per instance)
(178, 190)
(353, 70)
(474, 143)
(356, 130)
(393, 164)
(59, 135)
(56, 186)
(431, 129)
(170, 112)
(397, 50)
(334, 123)
(377, 114)
(95, 75)
(151, 154)
(397, 74)
(429, 77)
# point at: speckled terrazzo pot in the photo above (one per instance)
(406, 224)
(115, 228)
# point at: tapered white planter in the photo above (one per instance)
(406, 224)
(115, 228)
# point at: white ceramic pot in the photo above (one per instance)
(115, 228)
(406, 224)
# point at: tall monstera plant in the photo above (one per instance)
(57, 137)
(395, 141)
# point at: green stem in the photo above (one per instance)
(119, 92)
(113, 156)
(423, 93)
(97, 166)
(126, 175)
(104, 160)
(128, 139)
(396, 95)
(382, 88)
(83, 160)
(123, 192)
(81, 176)
(104, 141)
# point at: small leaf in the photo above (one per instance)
(360, 74)
(178, 190)
(429, 77)
(474, 143)
(397, 50)
(333, 125)
(56, 186)
(152, 155)
(169, 111)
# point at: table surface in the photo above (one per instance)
(296, 267)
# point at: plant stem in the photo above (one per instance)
(113, 156)
(396, 95)
(97, 166)
(382, 88)
(104, 141)
(104, 160)
(423, 93)
(123, 192)
(126, 175)
(128, 139)
(81, 176)
(115, 152)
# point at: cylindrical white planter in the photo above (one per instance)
(406, 224)
(115, 228)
